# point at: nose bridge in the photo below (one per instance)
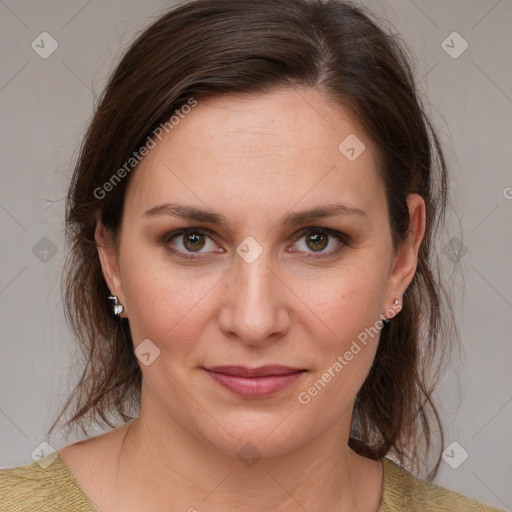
(254, 308)
(254, 276)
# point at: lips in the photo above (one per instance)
(261, 371)
(259, 382)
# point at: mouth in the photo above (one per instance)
(260, 382)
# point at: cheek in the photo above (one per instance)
(164, 303)
(344, 356)
(346, 301)
(346, 320)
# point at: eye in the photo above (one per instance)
(188, 241)
(317, 239)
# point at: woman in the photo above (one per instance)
(251, 273)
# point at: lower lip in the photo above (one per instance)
(255, 387)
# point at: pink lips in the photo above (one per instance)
(255, 382)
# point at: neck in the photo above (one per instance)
(193, 475)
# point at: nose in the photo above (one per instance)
(254, 310)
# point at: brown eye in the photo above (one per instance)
(193, 241)
(317, 241)
(322, 241)
(190, 242)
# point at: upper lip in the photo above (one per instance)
(260, 371)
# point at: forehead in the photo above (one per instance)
(246, 151)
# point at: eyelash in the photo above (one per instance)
(341, 237)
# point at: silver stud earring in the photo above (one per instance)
(118, 308)
(396, 307)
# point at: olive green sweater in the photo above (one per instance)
(49, 486)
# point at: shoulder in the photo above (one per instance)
(404, 492)
(46, 485)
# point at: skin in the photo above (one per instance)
(253, 159)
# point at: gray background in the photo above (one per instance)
(46, 104)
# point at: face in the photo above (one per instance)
(268, 285)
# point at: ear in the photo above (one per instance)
(109, 260)
(406, 259)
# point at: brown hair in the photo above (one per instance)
(215, 47)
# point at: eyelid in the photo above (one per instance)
(182, 231)
(313, 229)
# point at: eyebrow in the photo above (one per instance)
(197, 214)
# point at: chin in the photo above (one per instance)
(257, 434)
